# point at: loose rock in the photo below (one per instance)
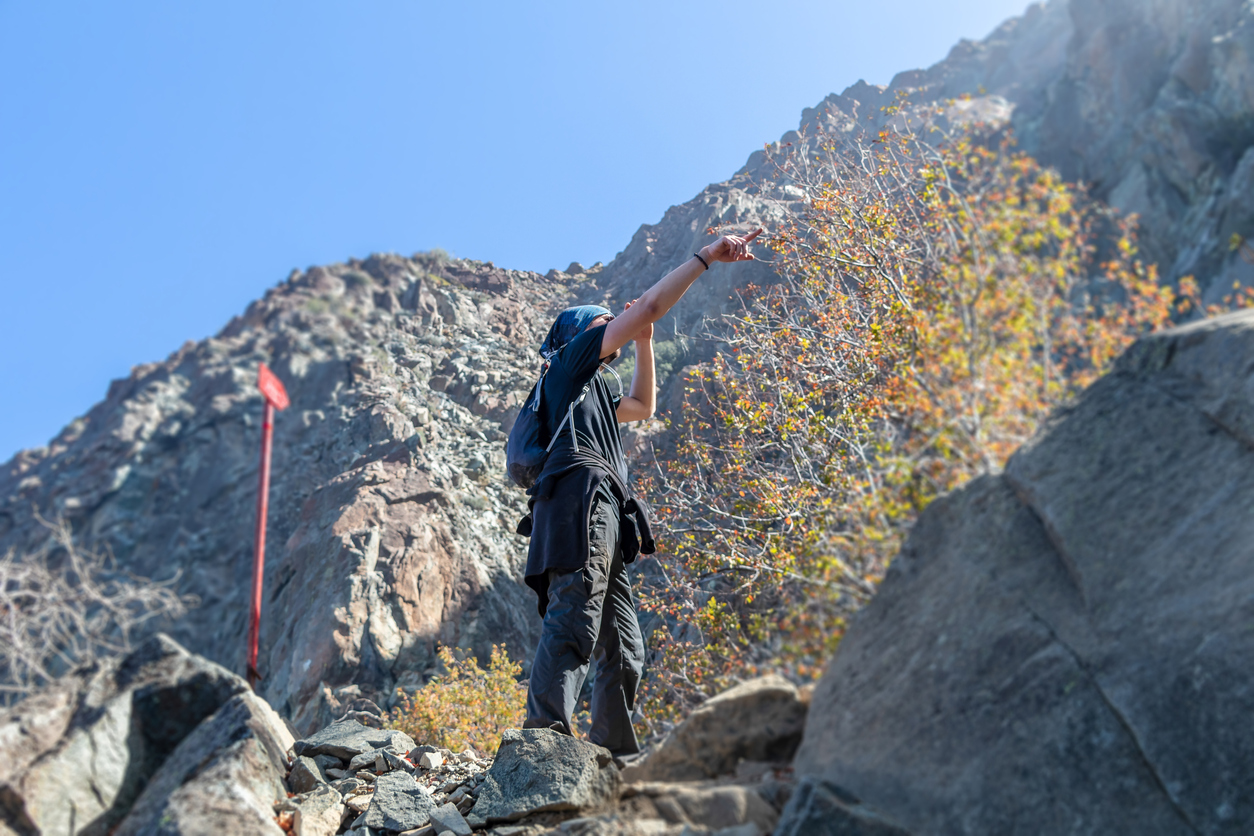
(448, 819)
(319, 813)
(346, 739)
(539, 770)
(223, 777)
(398, 804)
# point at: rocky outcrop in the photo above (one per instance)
(1148, 103)
(78, 756)
(1060, 648)
(224, 777)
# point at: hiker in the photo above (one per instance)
(585, 524)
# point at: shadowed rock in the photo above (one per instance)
(77, 757)
(223, 778)
(821, 809)
(1060, 649)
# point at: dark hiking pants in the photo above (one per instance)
(591, 614)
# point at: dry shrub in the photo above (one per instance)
(62, 607)
(466, 706)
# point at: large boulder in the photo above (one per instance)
(223, 778)
(75, 758)
(1064, 648)
(758, 720)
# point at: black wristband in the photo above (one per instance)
(698, 257)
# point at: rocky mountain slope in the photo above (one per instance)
(390, 527)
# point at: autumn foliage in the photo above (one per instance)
(465, 706)
(940, 294)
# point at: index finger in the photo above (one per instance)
(753, 235)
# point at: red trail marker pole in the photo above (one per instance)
(276, 398)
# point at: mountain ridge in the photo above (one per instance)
(391, 526)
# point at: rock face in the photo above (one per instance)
(1061, 648)
(759, 720)
(223, 778)
(76, 758)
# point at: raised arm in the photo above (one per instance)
(640, 402)
(657, 300)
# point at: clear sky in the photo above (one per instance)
(163, 163)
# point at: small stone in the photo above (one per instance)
(328, 762)
(368, 777)
(457, 795)
(366, 760)
(358, 803)
(431, 760)
(449, 818)
(337, 774)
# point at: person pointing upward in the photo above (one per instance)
(586, 524)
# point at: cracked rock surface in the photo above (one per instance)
(1063, 648)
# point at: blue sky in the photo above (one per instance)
(162, 164)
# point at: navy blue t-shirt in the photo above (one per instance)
(566, 489)
(595, 418)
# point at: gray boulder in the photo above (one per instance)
(346, 739)
(758, 720)
(540, 770)
(77, 757)
(399, 803)
(223, 778)
(1063, 648)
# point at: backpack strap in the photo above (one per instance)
(570, 410)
